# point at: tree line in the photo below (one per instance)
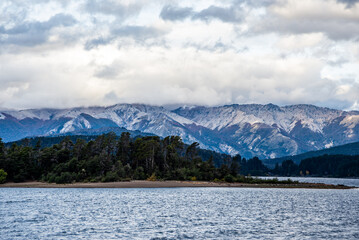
(325, 165)
(112, 158)
(109, 157)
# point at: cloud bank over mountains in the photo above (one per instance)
(71, 53)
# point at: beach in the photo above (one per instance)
(167, 184)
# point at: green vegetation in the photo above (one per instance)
(3, 176)
(326, 165)
(110, 158)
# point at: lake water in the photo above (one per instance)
(179, 213)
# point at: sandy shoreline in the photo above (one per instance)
(167, 184)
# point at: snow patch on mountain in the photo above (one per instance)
(228, 149)
(350, 121)
(75, 124)
(43, 114)
(286, 118)
(329, 145)
(251, 130)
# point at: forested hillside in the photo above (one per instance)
(112, 158)
(43, 142)
(325, 165)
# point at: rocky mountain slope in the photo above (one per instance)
(350, 149)
(266, 131)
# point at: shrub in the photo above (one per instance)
(65, 177)
(51, 177)
(125, 179)
(152, 178)
(110, 177)
(229, 178)
(19, 177)
(241, 179)
(95, 179)
(139, 174)
(3, 176)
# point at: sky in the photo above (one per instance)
(67, 53)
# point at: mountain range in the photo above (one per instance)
(266, 131)
(350, 149)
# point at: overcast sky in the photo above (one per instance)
(70, 53)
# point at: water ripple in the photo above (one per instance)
(179, 213)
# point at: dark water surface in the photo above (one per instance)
(179, 213)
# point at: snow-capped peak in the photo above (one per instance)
(252, 129)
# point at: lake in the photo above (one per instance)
(179, 213)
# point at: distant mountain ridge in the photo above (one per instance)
(350, 149)
(266, 131)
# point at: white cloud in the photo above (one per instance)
(295, 42)
(203, 52)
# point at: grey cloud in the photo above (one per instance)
(94, 43)
(111, 98)
(336, 29)
(348, 3)
(173, 13)
(33, 33)
(208, 72)
(339, 61)
(137, 32)
(60, 19)
(109, 72)
(231, 14)
(257, 3)
(25, 2)
(111, 7)
(217, 46)
(341, 26)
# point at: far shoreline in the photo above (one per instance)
(168, 184)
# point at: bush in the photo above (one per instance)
(3, 176)
(65, 177)
(110, 177)
(152, 178)
(229, 178)
(95, 179)
(240, 179)
(51, 177)
(139, 174)
(19, 177)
